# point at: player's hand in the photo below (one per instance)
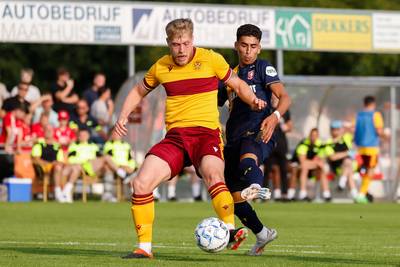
(268, 127)
(258, 104)
(120, 128)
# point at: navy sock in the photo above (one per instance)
(251, 172)
(245, 212)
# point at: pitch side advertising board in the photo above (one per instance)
(139, 23)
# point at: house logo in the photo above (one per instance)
(139, 14)
(293, 30)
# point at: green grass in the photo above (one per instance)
(97, 234)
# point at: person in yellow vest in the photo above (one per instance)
(85, 156)
(122, 155)
(340, 156)
(49, 155)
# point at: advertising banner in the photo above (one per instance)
(386, 31)
(339, 32)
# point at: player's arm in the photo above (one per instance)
(132, 100)
(269, 123)
(244, 92)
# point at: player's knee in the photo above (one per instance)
(250, 171)
(141, 186)
(247, 164)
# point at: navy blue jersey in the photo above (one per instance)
(242, 120)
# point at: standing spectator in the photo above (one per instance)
(11, 133)
(82, 119)
(276, 164)
(368, 131)
(103, 108)
(92, 93)
(46, 108)
(18, 100)
(64, 135)
(4, 94)
(63, 92)
(33, 93)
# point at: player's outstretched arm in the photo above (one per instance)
(132, 100)
(269, 123)
(243, 91)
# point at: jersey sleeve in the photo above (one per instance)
(378, 120)
(221, 67)
(268, 73)
(36, 150)
(60, 155)
(150, 81)
(302, 150)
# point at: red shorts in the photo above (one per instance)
(183, 147)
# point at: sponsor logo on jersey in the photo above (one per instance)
(270, 71)
(170, 68)
(250, 75)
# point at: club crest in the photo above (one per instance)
(197, 65)
(250, 75)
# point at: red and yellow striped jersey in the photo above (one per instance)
(191, 89)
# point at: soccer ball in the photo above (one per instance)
(212, 235)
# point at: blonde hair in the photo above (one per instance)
(178, 27)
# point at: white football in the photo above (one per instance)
(212, 235)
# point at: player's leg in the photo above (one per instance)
(171, 188)
(326, 193)
(195, 183)
(74, 171)
(369, 163)
(294, 170)
(163, 161)
(347, 167)
(57, 175)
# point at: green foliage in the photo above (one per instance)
(83, 61)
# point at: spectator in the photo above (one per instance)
(103, 108)
(4, 94)
(49, 156)
(276, 164)
(38, 128)
(368, 134)
(309, 153)
(63, 92)
(64, 135)
(122, 155)
(84, 156)
(46, 108)
(12, 129)
(91, 94)
(18, 100)
(338, 150)
(33, 93)
(82, 119)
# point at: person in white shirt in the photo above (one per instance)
(33, 94)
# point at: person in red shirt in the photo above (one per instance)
(64, 135)
(37, 129)
(11, 134)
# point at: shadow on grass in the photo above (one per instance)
(320, 259)
(90, 252)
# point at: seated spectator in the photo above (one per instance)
(84, 156)
(38, 128)
(46, 108)
(64, 135)
(122, 155)
(49, 156)
(91, 94)
(63, 93)
(309, 156)
(11, 134)
(102, 109)
(33, 93)
(82, 119)
(340, 156)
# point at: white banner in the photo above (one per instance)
(125, 23)
(386, 31)
(214, 26)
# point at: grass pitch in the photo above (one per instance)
(98, 234)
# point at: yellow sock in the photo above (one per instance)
(366, 179)
(223, 203)
(143, 216)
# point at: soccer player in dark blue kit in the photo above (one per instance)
(249, 133)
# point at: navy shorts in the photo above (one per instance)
(232, 152)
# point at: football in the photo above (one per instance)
(212, 235)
